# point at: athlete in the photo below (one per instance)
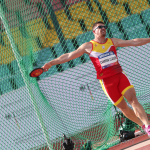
(115, 83)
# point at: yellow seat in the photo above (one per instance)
(61, 15)
(94, 6)
(51, 43)
(5, 39)
(50, 38)
(138, 6)
(50, 21)
(7, 60)
(122, 1)
(89, 21)
(69, 28)
(17, 39)
(24, 44)
(17, 36)
(6, 55)
(104, 1)
(114, 12)
(15, 32)
(36, 27)
(79, 11)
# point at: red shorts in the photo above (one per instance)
(115, 87)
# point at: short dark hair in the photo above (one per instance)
(97, 23)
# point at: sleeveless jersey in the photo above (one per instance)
(104, 58)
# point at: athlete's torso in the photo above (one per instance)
(104, 58)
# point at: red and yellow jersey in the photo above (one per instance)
(104, 58)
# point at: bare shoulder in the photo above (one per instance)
(87, 47)
(117, 41)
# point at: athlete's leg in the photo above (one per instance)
(115, 87)
(130, 95)
(128, 112)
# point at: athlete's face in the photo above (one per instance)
(100, 30)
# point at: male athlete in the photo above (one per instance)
(116, 85)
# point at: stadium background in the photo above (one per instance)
(36, 112)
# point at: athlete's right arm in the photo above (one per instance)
(67, 57)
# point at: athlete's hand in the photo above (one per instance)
(47, 66)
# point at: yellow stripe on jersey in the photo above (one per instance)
(101, 48)
(119, 101)
(123, 92)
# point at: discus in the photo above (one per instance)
(36, 72)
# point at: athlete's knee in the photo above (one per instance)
(133, 101)
(122, 105)
(130, 95)
(124, 108)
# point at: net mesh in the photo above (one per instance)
(68, 99)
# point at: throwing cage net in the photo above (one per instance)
(68, 99)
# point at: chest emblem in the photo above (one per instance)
(103, 47)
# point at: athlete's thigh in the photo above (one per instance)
(122, 105)
(126, 88)
(124, 83)
(130, 95)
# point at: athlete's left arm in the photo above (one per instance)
(133, 42)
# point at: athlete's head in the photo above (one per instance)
(99, 29)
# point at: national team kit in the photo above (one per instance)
(109, 72)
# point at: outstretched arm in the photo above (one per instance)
(133, 42)
(66, 57)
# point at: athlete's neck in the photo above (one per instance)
(101, 40)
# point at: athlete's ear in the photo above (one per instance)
(93, 31)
